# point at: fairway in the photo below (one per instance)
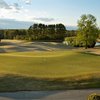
(49, 70)
(55, 64)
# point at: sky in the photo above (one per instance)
(23, 13)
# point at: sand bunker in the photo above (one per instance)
(22, 46)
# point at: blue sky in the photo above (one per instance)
(26, 12)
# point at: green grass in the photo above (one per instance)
(48, 70)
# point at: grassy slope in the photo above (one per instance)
(48, 70)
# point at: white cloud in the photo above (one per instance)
(27, 1)
(3, 4)
(44, 19)
(13, 24)
(17, 12)
(22, 14)
(16, 6)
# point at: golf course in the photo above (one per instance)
(27, 66)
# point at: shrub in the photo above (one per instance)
(94, 97)
(70, 40)
(74, 41)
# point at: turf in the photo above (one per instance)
(49, 70)
(50, 64)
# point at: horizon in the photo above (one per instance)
(23, 13)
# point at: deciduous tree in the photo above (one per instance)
(87, 31)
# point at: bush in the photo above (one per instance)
(94, 97)
(74, 41)
(70, 40)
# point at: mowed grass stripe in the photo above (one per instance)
(38, 54)
(31, 55)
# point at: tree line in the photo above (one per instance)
(38, 32)
(47, 32)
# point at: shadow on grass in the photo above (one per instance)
(90, 53)
(13, 83)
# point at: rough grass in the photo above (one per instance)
(56, 70)
(12, 83)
